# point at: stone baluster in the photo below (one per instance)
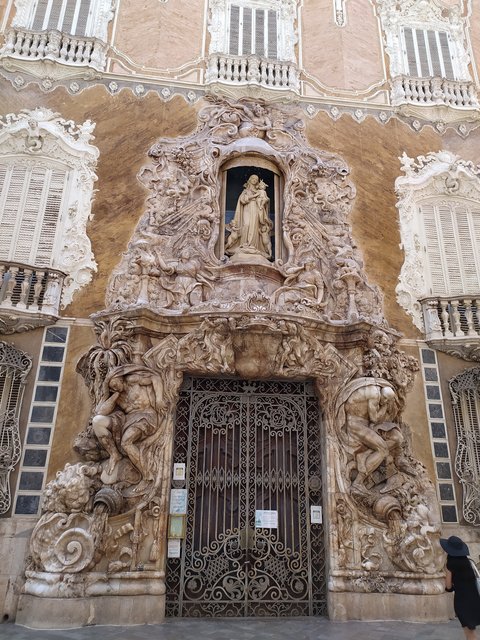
(19, 42)
(469, 318)
(243, 70)
(408, 90)
(445, 315)
(42, 45)
(37, 289)
(26, 275)
(64, 48)
(270, 74)
(88, 46)
(72, 50)
(222, 68)
(236, 70)
(457, 329)
(11, 283)
(254, 69)
(34, 45)
(98, 56)
(3, 271)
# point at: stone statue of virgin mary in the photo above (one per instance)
(250, 228)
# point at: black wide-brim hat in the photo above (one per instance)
(454, 546)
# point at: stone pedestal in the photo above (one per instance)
(390, 606)
(68, 613)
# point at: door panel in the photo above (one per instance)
(249, 447)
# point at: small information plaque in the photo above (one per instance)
(178, 501)
(316, 516)
(266, 519)
(173, 548)
(179, 471)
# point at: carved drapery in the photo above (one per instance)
(32, 139)
(176, 307)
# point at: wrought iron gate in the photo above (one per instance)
(252, 455)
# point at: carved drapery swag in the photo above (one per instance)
(175, 307)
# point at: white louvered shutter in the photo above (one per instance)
(30, 204)
(452, 241)
(68, 16)
(253, 31)
(427, 53)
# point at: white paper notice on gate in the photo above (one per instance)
(178, 501)
(266, 519)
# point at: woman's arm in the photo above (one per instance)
(448, 581)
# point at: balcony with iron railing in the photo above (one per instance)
(452, 325)
(244, 71)
(29, 296)
(22, 44)
(447, 100)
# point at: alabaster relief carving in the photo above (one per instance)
(422, 14)
(309, 315)
(436, 176)
(35, 138)
(170, 263)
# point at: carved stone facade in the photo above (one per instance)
(175, 306)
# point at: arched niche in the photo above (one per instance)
(234, 173)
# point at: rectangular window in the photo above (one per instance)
(30, 204)
(253, 31)
(428, 53)
(452, 241)
(68, 16)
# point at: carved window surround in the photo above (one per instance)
(465, 394)
(441, 191)
(14, 368)
(225, 67)
(36, 281)
(29, 39)
(431, 96)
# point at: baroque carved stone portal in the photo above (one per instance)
(174, 306)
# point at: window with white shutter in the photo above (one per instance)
(428, 53)
(30, 204)
(452, 244)
(68, 16)
(253, 31)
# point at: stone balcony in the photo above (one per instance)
(21, 44)
(435, 98)
(452, 325)
(29, 296)
(252, 71)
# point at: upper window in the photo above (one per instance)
(451, 230)
(252, 31)
(70, 16)
(266, 28)
(428, 53)
(46, 187)
(439, 208)
(87, 18)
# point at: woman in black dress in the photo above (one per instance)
(461, 579)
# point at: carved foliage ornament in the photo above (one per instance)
(42, 138)
(434, 177)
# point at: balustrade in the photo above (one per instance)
(434, 91)
(30, 289)
(54, 45)
(252, 69)
(452, 318)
